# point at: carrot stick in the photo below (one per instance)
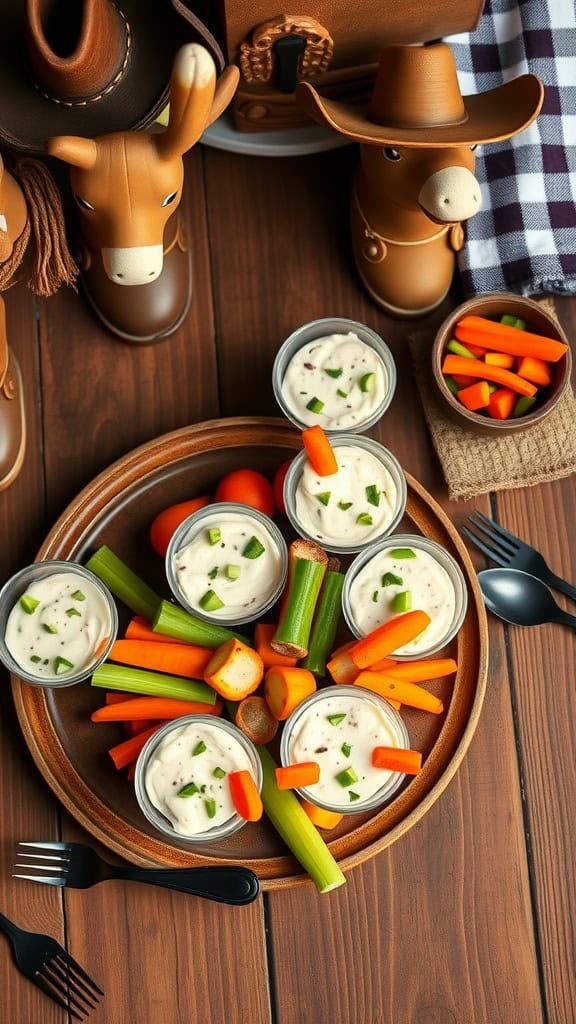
(321, 818)
(395, 759)
(535, 370)
(419, 671)
(285, 688)
(342, 669)
(116, 698)
(477, 396)
(131, 771)
(502, 359)
(385, 665)
(167, 522)
(407, 693)
(298, 776)
(245, 796)
(125, 753)
(461, 380)
(139, 629)
(133, 727)
(263, 634)
(186, 660)
(501, 338)
(476, 350)
(501, 404)
(476, 368)
(153, 707)
(234, 670)
(319, 451)
(387, 638)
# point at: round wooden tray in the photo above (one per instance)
(70, 751)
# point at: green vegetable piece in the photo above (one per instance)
(325, 623)
(210, 601)
(492, 388)
(49, 629)
(344, 505)
(509, 320)
(78, 596)
(253, 548)
(232, 572)
(200, 748)
(62, 665)
(213, 573)
(523, 405)
(214, 535)
(390, 579)
(402, 602)
(335, 719)
(346, 749)
(375, 596)
(124, 584)
(36, 659)
(342, 394)
(366, 383)
(219, 773)
(365, 519)
(451, 384)
(71, 612)
(334, 373)
(210, 807)
(190, 789)
(315, 405)
(353, 796)
(323, 497)
(373, 495)
(170, 620)
(520, 324)
(458, 349)
(403, 553)
(28, 604)
(347, 776)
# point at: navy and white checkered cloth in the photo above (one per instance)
(524, 238)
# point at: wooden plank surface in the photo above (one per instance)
(468, 918)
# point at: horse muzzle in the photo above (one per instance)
(450, 195)
(137, 264)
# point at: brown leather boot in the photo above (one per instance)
(12, 416)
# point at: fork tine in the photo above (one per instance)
(498, 543)
(47, 879)
(483, 548)
(80, 973)
(49, 846)
(60, 969)
(505, 534)
(48, 989)
(45, 856)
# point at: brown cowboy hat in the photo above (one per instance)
(417, 102)
(88, 67)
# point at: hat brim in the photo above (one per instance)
(28, 118)
(491, 116)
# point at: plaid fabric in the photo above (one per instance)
(524, 238)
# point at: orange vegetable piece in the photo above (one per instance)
(342, 669)
(187, 660)
(234, 670)
(535, 370)
(263, 635)
(396, 759)
(501, 338)
(477, 396)
(153, 708)
(319, 451)
(418, 671)
(165, 524)
(298, 776)
(248, 487)
(387, 638)
(245, 795)
(139, 629)
(502, 359)
(126, 753)
(461, 380)
(285, 688)
(411, 694)
(321, 818)
(477, 368)
(501, 404)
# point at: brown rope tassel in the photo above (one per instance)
(53, 265)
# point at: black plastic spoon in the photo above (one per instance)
(520, 598)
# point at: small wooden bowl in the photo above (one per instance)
(492, 306)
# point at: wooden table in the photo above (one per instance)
(469, 918)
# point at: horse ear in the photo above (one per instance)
(225, 88)
(191, 95)
(73, 150)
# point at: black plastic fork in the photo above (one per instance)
(503, 548)
(49, 966)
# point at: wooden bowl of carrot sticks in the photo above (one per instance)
(500, 364)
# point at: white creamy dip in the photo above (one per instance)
(428, 584)
(223, 567)
(58, 626)
(342, 373)
(344, 745)
(354, 505)
(180, 777)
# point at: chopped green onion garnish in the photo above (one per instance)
(210, 806)
(347, 776)
(373, 495)
(344, 505)
(199, 748)
(49, 629)
(210, 601)
(335, 719)
(402, 602)
(214, 535)
(36, 659)
(390, 579)
(367, 382)
(353, 796)
(364, 519)
(70, 612)
(342, 394)
(403, 553)
(375, 596)
(253, 548)
(28, 604)
(78, 596)
(334, 373)
(315, 405)
(189, 790)
(62, 665)
(346, 749)
(219, 773)
(213, 573)
(323, 497)
(232, 572)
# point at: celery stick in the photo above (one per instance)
(325, 624)
(293, 631)
(170, 620)
(152, 684)
(459, 350)
(293, 824)
(124, 583)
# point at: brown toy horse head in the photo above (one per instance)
(128, 184)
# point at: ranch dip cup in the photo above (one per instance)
(336, 373)
(403, 573)
(227, 563)
(343, 513)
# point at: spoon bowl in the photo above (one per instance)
(520, 598)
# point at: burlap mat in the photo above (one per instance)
(475, 465)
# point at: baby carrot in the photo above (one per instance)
(321, 818)
(502, 359)
(154, 708)
(411, 694)
(235, 670)
(387, 638)
(245, 796)
(319, 451)
(139, 629)
(535, 370)
(477, 396)
(418, 671)
(285, 688)
(263, 634)
(501, 404)
(501, 338)
(342, 668)
(476, 368)
(126, 752)
(178, 659)
(298, 776)
(396, 759)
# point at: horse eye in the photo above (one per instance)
(391, 154)
(475, 146)
(169, 198)
(83, 203)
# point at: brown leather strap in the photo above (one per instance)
(3, 342)
(206, 36)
